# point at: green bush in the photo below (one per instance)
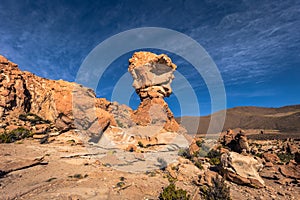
(120, 124)
(78, 176)
(201, 153)
(199, 165)
(184, 152)
(14, 135)
(285, 157)
(170, 193)
(219, 190)
(140, 144)
(199, 143)
(214, 156)
(258, 155)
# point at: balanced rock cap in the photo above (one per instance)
(142, 58)
(152, 74)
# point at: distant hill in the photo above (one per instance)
(284, 119)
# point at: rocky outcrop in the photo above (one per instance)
(242, 169)
(291, 170)
(236, 142)
(184, 170)
(152, 75)
(55, 101)
(271, 157)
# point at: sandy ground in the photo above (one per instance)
(65, 170)
(57, 177)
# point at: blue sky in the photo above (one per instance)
(255, 44)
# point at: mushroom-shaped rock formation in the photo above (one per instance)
(152, 76)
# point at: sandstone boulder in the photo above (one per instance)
(236, 142)
(207, 178)
(291, 170)
(242, 169)
(152, 74)
(184, 170)
(270, 157)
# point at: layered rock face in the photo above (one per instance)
(152, 76)
(23, 92)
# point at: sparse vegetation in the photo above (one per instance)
(201, 153)
(162, 163)
(199, 143)
(184, 152)
(219, 190)
(285, 157)
(214, 156)
(72, 141)
(15, 135)
(141, 144)
(120, 184)
(258, 155)
(51, 179)
(78, 176)
(170, 193)
(151, 173)
(120, 124)
(198, 164)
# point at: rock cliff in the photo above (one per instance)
(23, 92)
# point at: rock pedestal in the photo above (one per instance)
(152, 76)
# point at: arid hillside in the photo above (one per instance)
(283, 119)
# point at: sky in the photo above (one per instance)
(255, 44)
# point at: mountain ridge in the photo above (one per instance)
(284, 119)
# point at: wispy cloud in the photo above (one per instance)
(251, 41)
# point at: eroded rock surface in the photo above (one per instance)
(152, 75)
(60, 102)
(242, 169)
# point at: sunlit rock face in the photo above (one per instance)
(152, 76)
(67, 105)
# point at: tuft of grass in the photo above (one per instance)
(78, 176)
(170, 193)
(15, 135)
(199, 165)
(151, 173)
(219, 190)
(199, 143)
(215, 157)
(258, 155)
(140, 144)
(120, 184)
(285, 157)
(72, 141)
(120, 124)
(51, 179)
(184, 152)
